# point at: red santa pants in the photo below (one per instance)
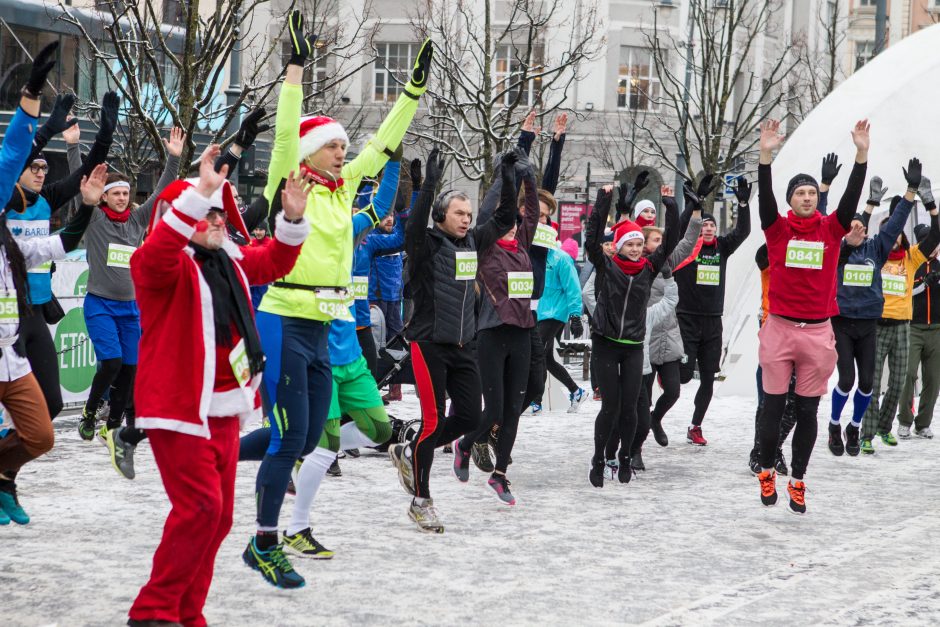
(199, 477)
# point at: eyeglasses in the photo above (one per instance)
(36, 168)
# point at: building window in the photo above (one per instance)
(509, 66)
(392, 69)
(867, 3)
(864, 51)
(15, 64)
(638, 87)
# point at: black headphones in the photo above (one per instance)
(439, 209)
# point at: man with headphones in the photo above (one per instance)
(441, 270)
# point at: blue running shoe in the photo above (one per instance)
(273, 566)
(10, 505)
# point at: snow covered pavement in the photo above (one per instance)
(686, 543)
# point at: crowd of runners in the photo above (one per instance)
(226, 331)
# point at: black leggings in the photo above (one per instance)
(535, 386)
(642, 427)
(786, 423)
(669, 374)
(855, 344)
(369, 350)
(804, 434)
(41, 353)
(548, 329)
(503, 355)
(620, 377)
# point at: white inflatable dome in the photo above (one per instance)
(899, 93)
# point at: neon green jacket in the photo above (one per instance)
(326, 256)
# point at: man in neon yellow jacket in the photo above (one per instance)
(294, 316)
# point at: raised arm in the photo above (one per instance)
(384, 198)
(658, 257)
(853, 189)
(742, 227)
(485, 234)
(530, 221)
(174, 148)
(416, 230)
(553, 167)
(692, 231)
(594, 237)
(57, 122)
(770, 139)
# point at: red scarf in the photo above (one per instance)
(631, 267)
(113, 215)
(509, 245)
(804, 226)
(322, 180)
(897, 255)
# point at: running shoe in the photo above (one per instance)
(596, 476)
(576, 398)
(836, 447)
(626, 471)
(303, 544)
(925, 433)
(403, 464)
(904, 432)
(610, 469)
(86, 426)
(10, 508)
(273, 566)
(754, 465)
(659, 434)
(536, 408)
(888, 438)
(102, 434)
(780, 464)
(797, 492)
(768, 487)
(425, 516)
(121, 453)
(866, 447)
(851, 440)
(637, 462)
(480, 454)
(334, 470)
(694, 436)
(461, 463)
(104, 411)
(353, 452)
(500, 485)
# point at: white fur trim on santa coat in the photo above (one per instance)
(317, 138)
(290, 233)
(176, 223)
(193, 204)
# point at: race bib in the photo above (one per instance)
(334, 303)
(119, 255)
(43, 268)
(521, 284)
(893, 285)
(238, 357)
(466, 266)
(545, 236)
(857, 275)
(805, 255)
(708, 275)
(9, 309)
(360, 287)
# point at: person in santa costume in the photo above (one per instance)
(295, 314)
(200, 369)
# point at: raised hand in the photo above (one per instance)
(528, 124)
(641, 181)
(294, 195)
(72, 134)
(876, 191)
(691, 196)
(59, 119)
(925, 191)
(742, 189)
(209, 179)
(250, 128)
(707, 186)
(434, 169)
(109, 114)
(561, 124)
(861, 136)
(770, 136)
(301, 44)
(422, 68)
(174, 145)
(416, 176)
(856, 235)
(92, 186)
(830, 168)
(623, 199)
(42, 65)
(912, 174)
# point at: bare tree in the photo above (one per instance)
(819, 69)
(492, 64)
(730, 89)
(616, 148)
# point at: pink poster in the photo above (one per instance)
(569, 220)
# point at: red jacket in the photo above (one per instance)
(176, 372)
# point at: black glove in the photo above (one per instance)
(742, 190)
(416, 176)
(602, 195)
(422, 67)
(42, 65)
(434, 169)
(642, 180)
(523, 165)
(706, 186)
(623, 195)
(109, 115)
(830, 168)
(301, 46)
(932, 278)
(876, 191)
(691, 196)
(912, 174)
(576, 326)
(250, 128)
(58, 118)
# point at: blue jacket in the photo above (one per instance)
(17, 144)
(867, 302)
(344, 345)
(385, 278)
(561, 298)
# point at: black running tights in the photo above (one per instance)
(619, 371)
(804, 434)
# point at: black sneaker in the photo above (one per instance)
(597, 473)
(659, 434)
(836, 447)
(352, 452)
(273, 565)
(86, 426)
(780, 464)
(334, 470)
(852, 446)
(626, 470)
(637, 461)
(461, 463)
(754, 465)
(480, 454)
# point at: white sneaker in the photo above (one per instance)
(924, 433)
(576, 399)
(904, 432)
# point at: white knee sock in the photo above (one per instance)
(308, 481)
(351, 437)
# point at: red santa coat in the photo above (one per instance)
(175, 387)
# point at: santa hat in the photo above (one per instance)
(316, 131)
(222, 200)
(626, 231)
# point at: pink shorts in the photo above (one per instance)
(787, 347)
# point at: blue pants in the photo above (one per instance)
(391, 309)
(299, 385)
(113, 328)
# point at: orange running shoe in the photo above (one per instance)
(768, 487)
(797, 491)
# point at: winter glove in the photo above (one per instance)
(623, 205)
(742, 190)
(58, 119)
(523, 165)
(576, 326)
(830, 168)
(109, 115)
(42, 65)
(642, 180)
(912, 174)
(301, 45)
(434, 169)
(422, 67)
(876, 191)
(706, 186)
(416, 176)
(691, 197)
(250, 128)
(932, 278)
(926, 193)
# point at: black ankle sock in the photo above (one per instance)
(265, 540)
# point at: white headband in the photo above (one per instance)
(117, 184)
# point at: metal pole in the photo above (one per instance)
(881, 20)
(681, 162)
(234, 89)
